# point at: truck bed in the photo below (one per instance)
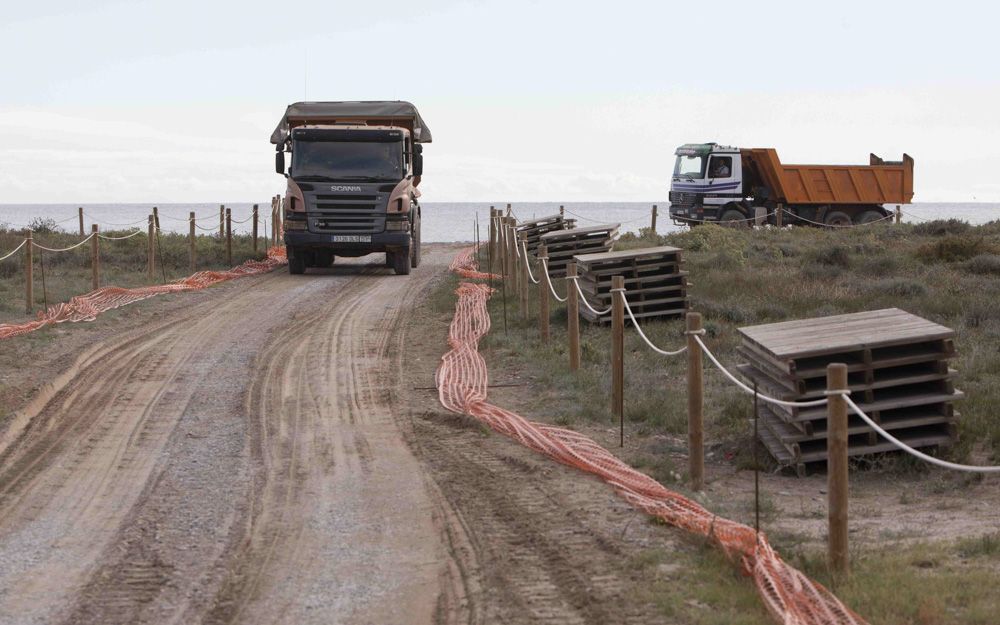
(877, 183)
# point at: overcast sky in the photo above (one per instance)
(174, 101)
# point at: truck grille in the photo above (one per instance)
(356, 213)
(681, 198)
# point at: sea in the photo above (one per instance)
(442, 221)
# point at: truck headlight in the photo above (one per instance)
(397, 224)
(295, 225)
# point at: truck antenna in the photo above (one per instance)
(305, 74)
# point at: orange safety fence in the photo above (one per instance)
(87, 307)
(788, 594)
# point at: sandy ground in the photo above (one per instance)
(268, 451)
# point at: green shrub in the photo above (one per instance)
(901, 287)
(941, 227)
(831, 255)
(952, 248)
(986, 264)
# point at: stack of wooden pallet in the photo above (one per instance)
(535, 228)
(897, 371)
(563, 245)
(655, 286)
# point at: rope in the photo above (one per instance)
(64, 249)
(834, 225)
(604, 221)
(638, 329)
(545, 268)
(584, 299)
(913, 452)
(108, 223)
(527, 264)
(200, 227)
(734, 380)
(909, 214)
(243, 221)
(15, 251)
(517, 248)
(127, 236)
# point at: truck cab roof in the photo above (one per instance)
(396, 114)
(704, 149)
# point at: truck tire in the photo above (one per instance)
(296, 264)
(868, 217)
(415, 245)
(388, 259)
(401, 262)
(837, 218)
(733, 219)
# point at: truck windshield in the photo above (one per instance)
(690, 167)
(347, 159)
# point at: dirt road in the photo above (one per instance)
(263, 457)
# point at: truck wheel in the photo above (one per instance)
(415, 245)
(868, 217)
(733, 219)
(401, 262)
(296, 264)
(837, 218)
(388, 259)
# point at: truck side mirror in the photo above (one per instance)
(418, 164)
(417, 148)
(279, 162)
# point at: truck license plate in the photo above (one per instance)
(352, 238)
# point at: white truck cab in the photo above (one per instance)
(707, 176)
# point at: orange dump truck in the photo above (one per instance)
(718, 183)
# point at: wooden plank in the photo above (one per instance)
(629, 254)
(575, 232)
(907, 400)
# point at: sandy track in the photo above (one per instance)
(236, 463)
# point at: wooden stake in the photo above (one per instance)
(696, 437)
(95, 258)
(222, 221)
(156, 218)
(281, 219)
(80, 213)
(150, 242)
(29, 279)
(618, 353)
(779, 215)
(191, 240)
(229, 237)
(493, 238)
(836, 469)
(572, 318)
(543, 295)
(525, 281)
(562, 211)
(254, 228)
(899, 214)
(652, 224)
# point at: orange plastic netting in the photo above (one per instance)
(789, 595)
(87, 307)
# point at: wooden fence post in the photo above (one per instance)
(618, 353)
(229, 237)
(191, 240)
(543, 295)
(562, 211)
(779, 215)
(525, 281)
(254, 228)
(696, 437)
(572, 318)
(836, 469)
(281, 219)
(274, 220)
(492, 249)
(652, 225)
(222, 221)
(80, 213)
(150, 254)
(510, 255)
(156, 218)
(29, 279)
(95, 257)
(899, 214)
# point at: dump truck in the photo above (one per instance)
(729, 185)
(352, 181)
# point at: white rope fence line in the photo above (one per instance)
(108, 223)
(913, 452)
(517, 248)
(531, 276)
(127, 236)
(15, 251)
(575, 280)
(835, 225)
(548, 280)
(604, 221)
(635, 324)
(64, 249)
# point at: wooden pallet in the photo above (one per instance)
(655, 285)
(897, 373)
(563, 245)
(535, 228)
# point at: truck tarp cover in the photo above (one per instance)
(316, 112)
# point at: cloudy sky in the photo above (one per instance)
(174, 101)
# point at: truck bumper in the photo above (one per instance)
(693, 214)
(381, 242)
